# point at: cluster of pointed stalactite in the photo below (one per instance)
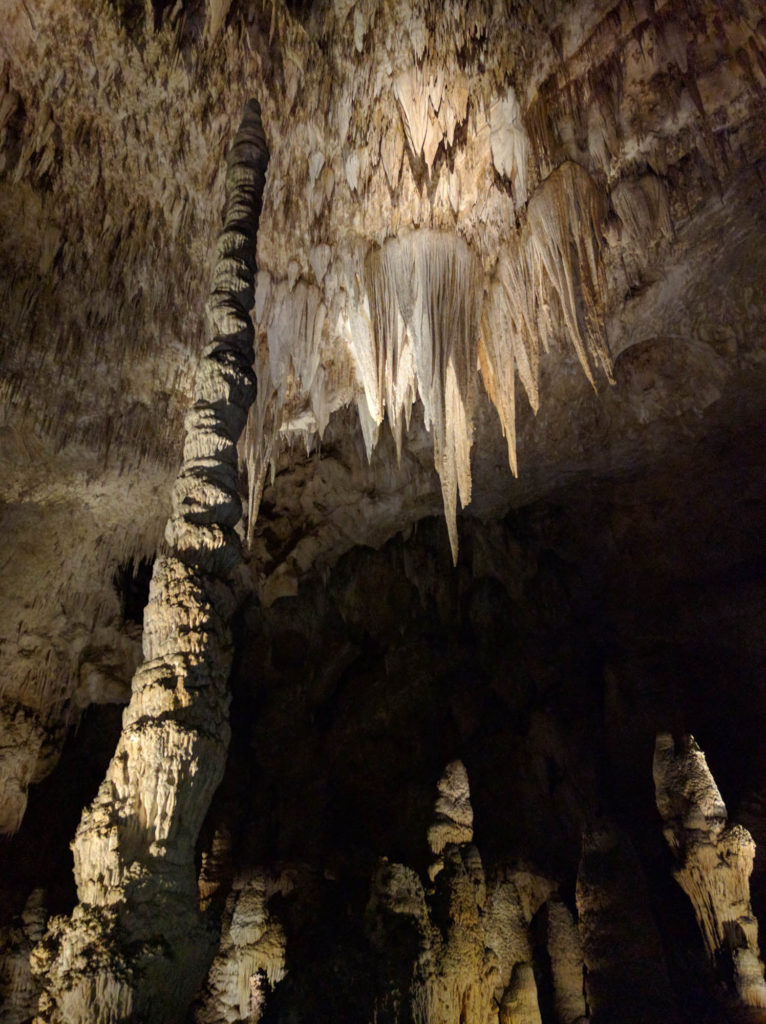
(423, 99)
(134, 848)
(423, 320)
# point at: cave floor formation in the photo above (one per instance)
(430, 688)
(571, 634)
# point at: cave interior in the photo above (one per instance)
(432, 687)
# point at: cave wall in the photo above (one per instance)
(579, 189)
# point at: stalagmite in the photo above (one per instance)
(215, 869)
(251, 958)
(19, 990)
(453, 814)
(454, 976)
(565, 952)
(476, 959)
(135, 946)
(714, 861)
(519, 1004)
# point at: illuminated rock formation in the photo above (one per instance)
(434, 563)
(454, 975)
(475, 959)
(250, 959)
(136, 945)
(714, 862)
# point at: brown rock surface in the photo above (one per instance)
(714, 862)
(459, 194)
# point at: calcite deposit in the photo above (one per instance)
(135, 944)
(251, 958)
(474, 960)
(714, 861)
(471, 486)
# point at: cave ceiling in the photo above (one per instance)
(577, 188)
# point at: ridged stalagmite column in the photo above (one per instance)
(714, 861)
(136, 946)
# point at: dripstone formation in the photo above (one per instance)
(135, 944)
(715, 861)
(472, 486)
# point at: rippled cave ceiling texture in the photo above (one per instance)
(383, 493)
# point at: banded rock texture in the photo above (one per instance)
(136, 945)
(714, 862)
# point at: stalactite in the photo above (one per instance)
(714, 861)
(421, 317)
(135, 945)
(510, 144)
(23, 734)
(424, 294)
(562, 242)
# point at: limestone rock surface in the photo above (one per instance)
(511, 273)
(714, 861)
(250, 960)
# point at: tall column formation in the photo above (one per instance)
(136, 945)
(714, 862)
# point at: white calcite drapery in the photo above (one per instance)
(422, 319)
(436, 161)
